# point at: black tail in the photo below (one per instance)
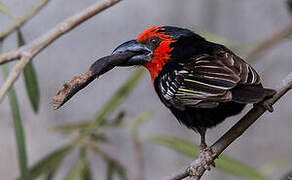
(251, 94)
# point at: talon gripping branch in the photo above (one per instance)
(201, 82)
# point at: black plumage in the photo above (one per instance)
(201, 82)
(204, 83)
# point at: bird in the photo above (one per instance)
(201, 82)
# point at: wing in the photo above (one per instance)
(247, 75)
(205, 80)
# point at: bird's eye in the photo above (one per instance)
(154, 41)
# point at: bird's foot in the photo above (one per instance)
(202, 163)
(267, 106)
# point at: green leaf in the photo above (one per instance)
(18, 127)
(276, 166)
(289, 5)
(30, 79)
(86, 173)
(51, 174)
(113, 166)
(69, 127)
(113, 169)
(118, 120)
(224, 163)
(51, 162)
(32, 87)
(117, 99)
(100, 119)
(139, 120)
(120, 96)
(20, 38)
(110, 170)
(121, 173)
(4, 10)
(75, 172)
(81, 168)
(185, 147)
(99, 137)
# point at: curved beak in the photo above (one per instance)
(142, 54)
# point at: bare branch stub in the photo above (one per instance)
(270, 41)
(71, 88)
(21, 21)
(32, 49)
(98, 68)
(238, 129)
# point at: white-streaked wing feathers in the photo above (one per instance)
(206, 80)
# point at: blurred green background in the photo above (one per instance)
(118, 117)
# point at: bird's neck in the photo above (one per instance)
(154, 69)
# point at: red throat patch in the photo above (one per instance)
(162, 53)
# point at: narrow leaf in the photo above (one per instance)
(100, 119)
(99, 137)
(121, 173)
(4, 10)
(30, 79)
(51, 162)
(224, 163)
(86, 173)
(289, 5)
(51, 174)
(276, 166)
(76, 171)
(113, 169)
(113, 165)
(69, 127)
(141, 119)
(18, 127)
(119, 97)
(110, 170)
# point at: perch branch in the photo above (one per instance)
(269, 42)
(237, 130)
(27, 52)
(21, 21)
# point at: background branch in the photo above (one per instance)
(21, 21)
(237, 130)
(27, 52)
(269, 42)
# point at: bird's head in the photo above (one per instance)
(157, 46)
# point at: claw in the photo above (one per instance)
(267, 106)
(203, 163)
(213, 164)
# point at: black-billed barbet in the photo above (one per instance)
(201, 82)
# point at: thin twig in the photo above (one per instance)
(140, 158)
(269, 42)
(32, 49)
(238, 129)
(139, 154)
(21, 21)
